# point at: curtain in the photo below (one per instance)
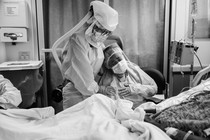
(141, 26)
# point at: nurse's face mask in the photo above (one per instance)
(100, 34)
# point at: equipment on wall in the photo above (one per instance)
(182, 52)
(14, 21)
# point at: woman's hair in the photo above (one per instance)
(112, 54)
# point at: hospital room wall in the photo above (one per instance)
(180, 75)
(179, 31)
(11, 52)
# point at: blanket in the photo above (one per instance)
(97, 117)
(192, 114)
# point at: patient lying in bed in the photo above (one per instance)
(97, 117)
(188, 111)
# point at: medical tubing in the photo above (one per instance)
(194, 52)
(67, 35)
(199, 75)
(177, 134)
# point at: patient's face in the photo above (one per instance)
(115, 61)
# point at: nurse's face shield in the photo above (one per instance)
(99, 34)
(100, 30)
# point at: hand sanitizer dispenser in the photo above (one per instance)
(14, 21)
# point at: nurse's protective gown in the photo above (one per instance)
(83, 61)
(80, 66)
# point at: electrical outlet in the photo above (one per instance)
(24, 56)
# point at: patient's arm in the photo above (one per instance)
(8, 93)
(199, 75)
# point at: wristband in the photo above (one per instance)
(187, 135)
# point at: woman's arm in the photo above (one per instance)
(144, 84)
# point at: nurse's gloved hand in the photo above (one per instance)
(107, 90)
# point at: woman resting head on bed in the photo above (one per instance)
(124, 79)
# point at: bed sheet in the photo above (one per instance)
(97, 117)
(182, 97)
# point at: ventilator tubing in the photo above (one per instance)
(66, 36)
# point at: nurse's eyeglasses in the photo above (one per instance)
(104, 32)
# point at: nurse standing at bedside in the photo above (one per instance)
(84, 54)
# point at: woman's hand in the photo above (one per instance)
(125, 91)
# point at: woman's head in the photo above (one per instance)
(114, 59)
(105, 15)
(103, 22)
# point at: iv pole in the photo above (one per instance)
(193, 15)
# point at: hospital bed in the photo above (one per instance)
(197, 87)
(65, 114)
(189, 110)
(97, 117)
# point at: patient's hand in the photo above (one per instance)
(123, 92)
